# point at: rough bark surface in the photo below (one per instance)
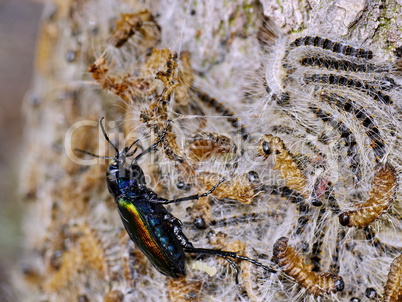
(76, 246)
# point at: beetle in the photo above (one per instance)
(156, 232)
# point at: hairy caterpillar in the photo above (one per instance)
(393, 287)
(380, 198)
(341, 65)
(301, 136)
(284, 162)
(118, 86)
(367, 121)
(223, 110)
(129, 24)
(294, 265)
(368, 88)
(371, 236)
(244, 218)
(316, 251)
(241, 187)
(336, 47)
(345, 133)
(205, 145)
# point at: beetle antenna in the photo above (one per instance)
(107, 137)
(129, 147)
(94, 155)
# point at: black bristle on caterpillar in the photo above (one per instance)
(367, 121)
(342, 81)
(345, 133)
(341, 65)
(336, 47)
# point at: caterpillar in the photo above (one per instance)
(367, 121)
(393, 287)
(284, 162)
(316, 251)
(244, 218)
(118, 86)
(377, 243)
(302, 222)
(380, 198)
(285, 192)
(223, 110)
(301, 136)
(336, 47)
(129, 24)
(294, 265)
(204, 145)
(365, 87)
(335, 265)
(240, 187)
(341, 65)
(345, 133)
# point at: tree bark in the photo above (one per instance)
(76, 246)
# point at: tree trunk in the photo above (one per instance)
(230, 88)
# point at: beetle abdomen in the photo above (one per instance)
(155, 240)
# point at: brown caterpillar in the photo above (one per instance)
(205, 145)
(241, 187)
(380, 198)
(87, 250)
(180, 289)
(129, 24)
(113, 296)
(393, 287)
(156, 115)
(284, 162)
(125, 87)
(293, 264)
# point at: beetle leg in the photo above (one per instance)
(177, 230)
(184, 242)
(226, 255)
(154, 146)
(234, 266)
